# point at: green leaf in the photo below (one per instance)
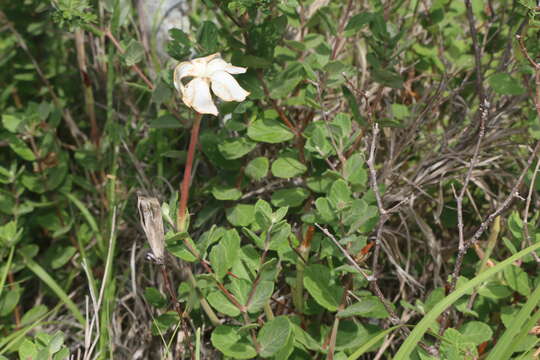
(177, 247)
(226, 339)
(269, 131)
(279, 214)
(317, 281)
(285, 351)
(287, 167)
(340, 194)
(63, 354)
(287, 80)
(222, 304)
(222, 192)
(266, 35)
(33, 315)
(529, 4)
(11, 122)
(209, 37)
(364, 308)
(357, 22)
(515, 225)
(20, 148)
(325, 210)
(350, 335)
(318, 142)
(263, 214)
(353, 105)
(225, 253)
(289, 197)
(400, 111)
(134, 53)
(273, 335)
(341, 126)
(167, 121)
(9, 300)
(434, 297)
(454, 344)
(236, 148)
(476, 332)
(164, 322)
(180, 46)
(322, 184)
(56, 342)
(154, 297)
(354, 171)
(251, 61)
(241, 215)
(360, 216)
(494, 291)
(48, 180)
(517, 279)
(257, 168)
(27, 350)
(262, 294)
(505, 84)
(387, 77)
(240, 288)
(61, 255)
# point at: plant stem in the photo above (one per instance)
(303, 252)
(172, 294)
(184, 189)
(204, 304)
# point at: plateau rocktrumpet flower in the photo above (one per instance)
(208, 72)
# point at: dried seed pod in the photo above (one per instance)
(152, 224)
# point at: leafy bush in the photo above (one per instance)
(375, 196)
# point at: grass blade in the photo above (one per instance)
(365, 347)
(6, 267)
(53, 285)
(507, 343)
(419, 330)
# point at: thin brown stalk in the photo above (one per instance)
(482, 115)
(135, 67)
(375, 188)
(275, 105)
(170, 291)
(525, 219)
(335, 326)
(485, 224)
(87, 85)
(338, 41)
(394, 319)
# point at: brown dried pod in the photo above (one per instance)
(152, 224)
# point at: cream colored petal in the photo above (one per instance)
(222, 65)
(227, 88)
(201, 65)
(209, 58)
(182, 70)
(197, 96)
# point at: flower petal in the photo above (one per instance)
(221, 65)
(227, 88)
(197, 96)
(182, 70)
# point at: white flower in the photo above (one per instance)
(208, 71)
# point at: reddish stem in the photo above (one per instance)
(184, 189)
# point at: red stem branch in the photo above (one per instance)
(184, 189)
